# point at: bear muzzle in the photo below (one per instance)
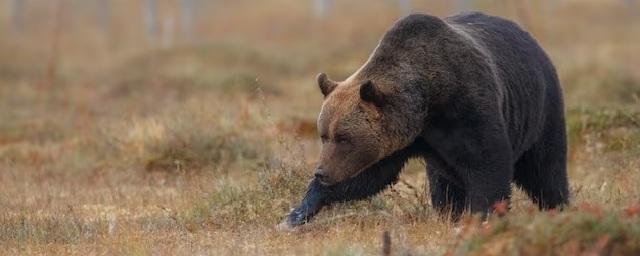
(322, 176)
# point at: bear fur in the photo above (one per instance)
(473, 95)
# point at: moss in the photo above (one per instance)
(616, 128)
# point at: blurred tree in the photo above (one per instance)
(633, 7)
(17, 15)
(168, 31)
(150, 16)
(187, 18)
(104, 15)
(57, 12)
(322, 8)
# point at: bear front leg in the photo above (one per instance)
(447, 197)
(313, 201)
(366, 184)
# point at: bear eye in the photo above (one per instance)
(342, 139)
(323, 138)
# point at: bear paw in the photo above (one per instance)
(298, 217)
(295, 218)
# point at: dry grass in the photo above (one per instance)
(203, 148)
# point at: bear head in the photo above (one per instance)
(351, 127)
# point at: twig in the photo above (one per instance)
(52, 62)
(386, 243)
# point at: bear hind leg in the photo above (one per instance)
(542, 173)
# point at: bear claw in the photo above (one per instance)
(295, 218)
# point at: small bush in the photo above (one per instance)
(579, 230)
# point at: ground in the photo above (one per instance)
(112, 146)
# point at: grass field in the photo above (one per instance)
(109, 145)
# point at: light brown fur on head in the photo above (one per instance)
(350, 125)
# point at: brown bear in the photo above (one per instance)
(474, 95)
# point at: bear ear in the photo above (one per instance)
(326, 85)
(370, 93)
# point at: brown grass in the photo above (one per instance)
(202, 148)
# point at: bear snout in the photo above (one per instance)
(322, 176)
